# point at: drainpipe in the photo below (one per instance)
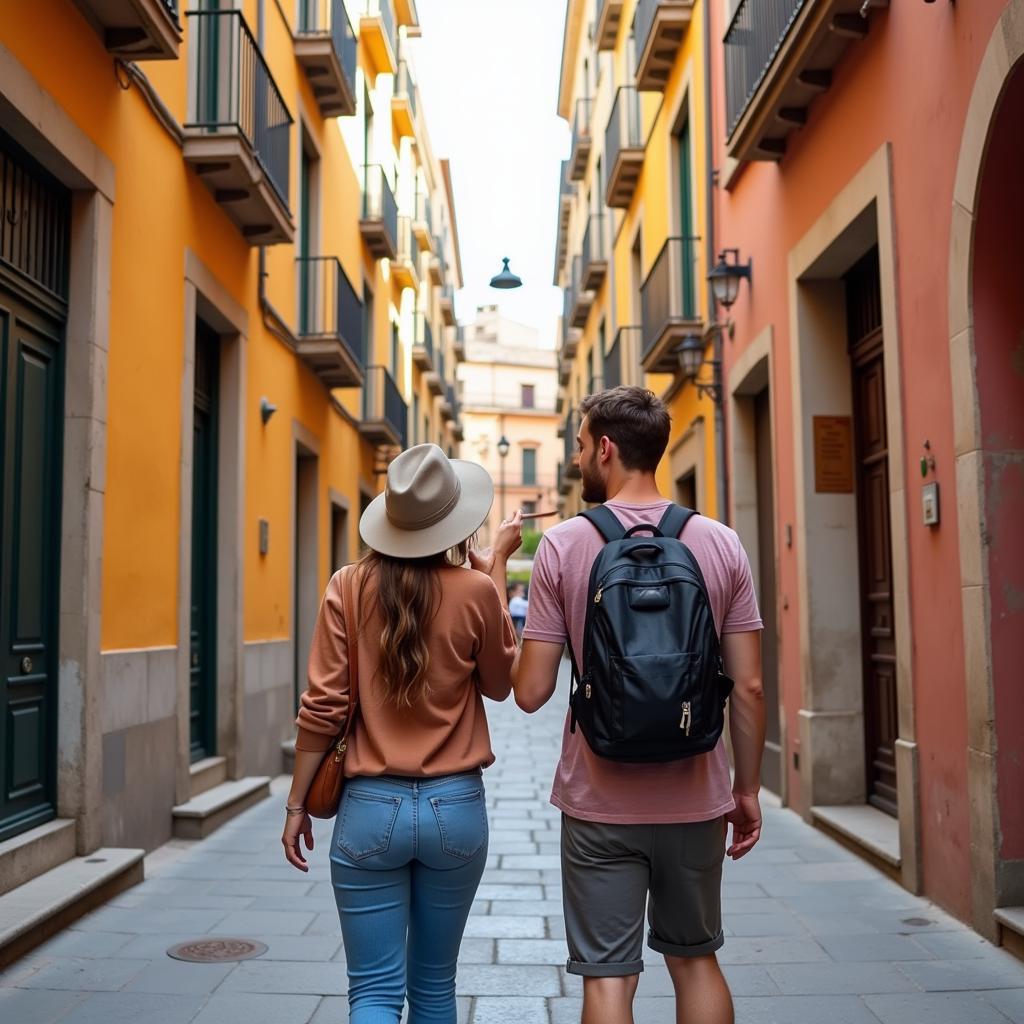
(721, 478)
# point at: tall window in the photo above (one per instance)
(529, 465)
(526, 396)
(686, 228)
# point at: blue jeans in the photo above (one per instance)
(407, 856)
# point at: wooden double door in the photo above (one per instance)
(878, 633)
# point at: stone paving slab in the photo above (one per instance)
(813, 934)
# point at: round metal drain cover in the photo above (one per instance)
(917, 922)
(217, 951)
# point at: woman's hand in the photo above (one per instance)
(297, 825)
(506, 542)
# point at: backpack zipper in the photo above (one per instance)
(684, 722)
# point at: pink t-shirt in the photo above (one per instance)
(593, 788)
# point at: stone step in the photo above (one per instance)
(206, 774)
(206, 813)
(35, 852)
(1011, 929)
(33, 912)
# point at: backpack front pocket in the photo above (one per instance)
(660, 696)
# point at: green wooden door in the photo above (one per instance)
(203, 629)
(30, 428)
(689, 246)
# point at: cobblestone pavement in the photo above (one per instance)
(814, 935)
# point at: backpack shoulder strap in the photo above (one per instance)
(605, 521)
(674, 519)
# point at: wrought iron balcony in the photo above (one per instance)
(669, 304)
(570, 461)
(566, 195)
(385, 413)
(446, 304)
(405, 268)
(331, 340)
(570, 334)
(436, 266)
(435, 378)
(456, 403)
(779, 55)
(136, 29)
(609, 17)
(326, 47)
(594, 254)
(238, 133)
(423, 343)
(403, 101)
(580, 300)
(659, 28)
(423, 223)
(624, 148)
(581, 139)
(627, 340)
(378, 33)
(379, 223)
(459, 343)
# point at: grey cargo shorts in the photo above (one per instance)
(608, 873)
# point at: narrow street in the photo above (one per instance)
(814, 935)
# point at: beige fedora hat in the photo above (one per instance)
(430, 504)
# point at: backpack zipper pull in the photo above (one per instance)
(597, 596)
(684, 722)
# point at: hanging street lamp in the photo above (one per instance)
(506, 279)
(726, 275)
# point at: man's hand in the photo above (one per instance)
(746, 824)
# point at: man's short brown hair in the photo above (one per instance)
(635, 419)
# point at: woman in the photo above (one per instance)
(410, 838)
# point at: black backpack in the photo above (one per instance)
(654, 688)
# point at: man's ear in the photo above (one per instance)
(605, 448)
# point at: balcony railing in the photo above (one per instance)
(570, 334)
(659, 27)
(566, 194)
(385, 413)
(594, 253)
(624, 148)
(669, 304)
(570, 460)
(581, 139)
(378, 33)
(331, 337)
(580, 300)
(239, 130)
(406, 265)
(326, 47)
(403, 102)
(446, 304)
(779, 55)
(423, 343)
(137, 29)
(423, 223)
(379, 223)
(606, 30)
(436, 378)
(459, 342)
(627, 340)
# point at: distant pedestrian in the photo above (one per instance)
(430, 638)
(638, 835)
(518, 606)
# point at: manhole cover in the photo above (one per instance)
(216, 951)
(917, 922)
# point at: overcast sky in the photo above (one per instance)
(488, 78)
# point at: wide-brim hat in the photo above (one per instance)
(431, 503)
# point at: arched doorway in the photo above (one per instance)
(987, 357)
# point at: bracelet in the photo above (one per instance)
(294, 810)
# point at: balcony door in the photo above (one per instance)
(684, 185)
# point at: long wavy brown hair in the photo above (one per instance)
(408, 594)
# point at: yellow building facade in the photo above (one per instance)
(631, 252)
(227, 278)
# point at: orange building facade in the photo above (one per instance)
(227, 269)
(864, 157)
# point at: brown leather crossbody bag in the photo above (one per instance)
(324, 795)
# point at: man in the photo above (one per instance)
(518, 607)
(636, 831)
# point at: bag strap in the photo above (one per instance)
(674, 519)
(605, 522)
(350, 613)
